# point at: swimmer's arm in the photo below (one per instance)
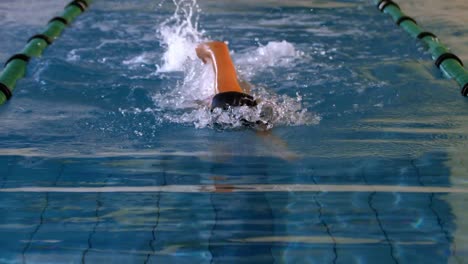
(277, 146)
(204, 53)
(217, 53)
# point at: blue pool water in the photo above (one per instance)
(108, 153)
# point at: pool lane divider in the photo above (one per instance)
(15, 66)
(447, 62)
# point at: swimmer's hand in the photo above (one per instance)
(203, 52)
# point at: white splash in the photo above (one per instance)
(180, 35)
(146, 58)
(272, 54)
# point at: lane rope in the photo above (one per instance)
(60, 19)
(41, 36)
(19, 56)
(6, 91)
(16, 66)
(446, 61)
(80, 4)
(446, 56)
(405, 18)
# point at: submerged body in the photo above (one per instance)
(228, 92)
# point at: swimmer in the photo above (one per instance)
(228, 92)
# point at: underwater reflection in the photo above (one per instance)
(237, 216)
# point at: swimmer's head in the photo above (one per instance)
(227, 101)
(232, 99)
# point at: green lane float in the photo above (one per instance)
(446, 61)
(15, 66)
